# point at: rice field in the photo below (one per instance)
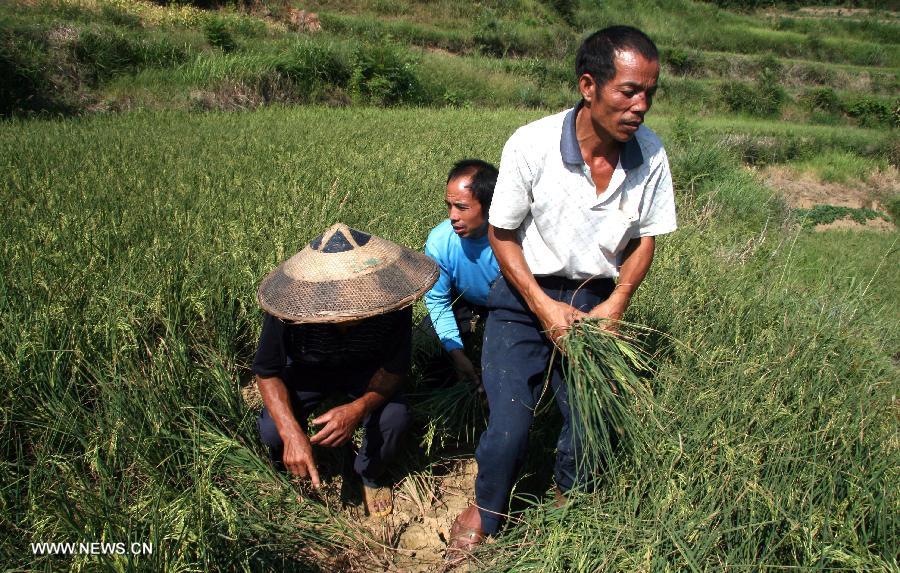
(132, 247)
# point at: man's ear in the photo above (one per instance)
(587, 87)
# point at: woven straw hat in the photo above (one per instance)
(345, 274)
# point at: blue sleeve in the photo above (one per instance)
(439, 301)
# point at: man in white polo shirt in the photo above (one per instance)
(579, 199)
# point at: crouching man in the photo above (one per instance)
(339, 322)
(468, 268)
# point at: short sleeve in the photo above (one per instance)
(270, 359)
(658, 209)
(512, 194)
(398, 360)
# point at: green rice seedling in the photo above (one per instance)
(601, 370)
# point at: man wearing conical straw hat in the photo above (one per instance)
(339, 321)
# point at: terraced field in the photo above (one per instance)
(161, 161)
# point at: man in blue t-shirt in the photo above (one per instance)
(460, 247)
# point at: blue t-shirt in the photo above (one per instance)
(468, 269)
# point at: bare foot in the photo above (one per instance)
(379, 500)
(465, 535)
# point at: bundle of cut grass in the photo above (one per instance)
(606, 392)
(452, 414)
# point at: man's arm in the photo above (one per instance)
(440, 310)
(438, 301)
(636, 261)
(439, 298)
(341, 421)
(555, 316)
(298, 456)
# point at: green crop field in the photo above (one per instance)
(144, 201)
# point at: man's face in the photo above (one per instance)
(617, 108)
(464, 209)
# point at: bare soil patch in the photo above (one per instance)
(876, 224)
(836, 12)
(414, 537)
(805, 190)
(442, 51)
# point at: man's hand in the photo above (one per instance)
(556, 318)
(612, 310)
(340, 423)
(464, 367)
(298, 458)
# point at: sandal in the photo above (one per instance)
(464, 538)
(560, 499)
(378, 497)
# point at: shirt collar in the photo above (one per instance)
(630, 157)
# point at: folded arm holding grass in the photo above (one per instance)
(556, 317)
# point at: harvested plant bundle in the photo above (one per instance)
(456, 412)
(606, 394)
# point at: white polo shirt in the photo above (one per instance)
(566, 229)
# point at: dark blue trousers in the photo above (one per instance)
(384, 427)
(514, 362)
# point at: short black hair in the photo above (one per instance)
(597, 53)
(483, 180)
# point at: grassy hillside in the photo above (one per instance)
(73, 56)
(141, 213)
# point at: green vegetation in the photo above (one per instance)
(842, 166)
(134, 242)
(824, 214)
(129, 273)
(72, 56)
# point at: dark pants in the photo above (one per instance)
(467, 315)
(470, 318)
(514, 363)
(383, 428)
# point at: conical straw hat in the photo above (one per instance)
(345, 274)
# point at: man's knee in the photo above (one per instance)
(506, 435)
(394, 418)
